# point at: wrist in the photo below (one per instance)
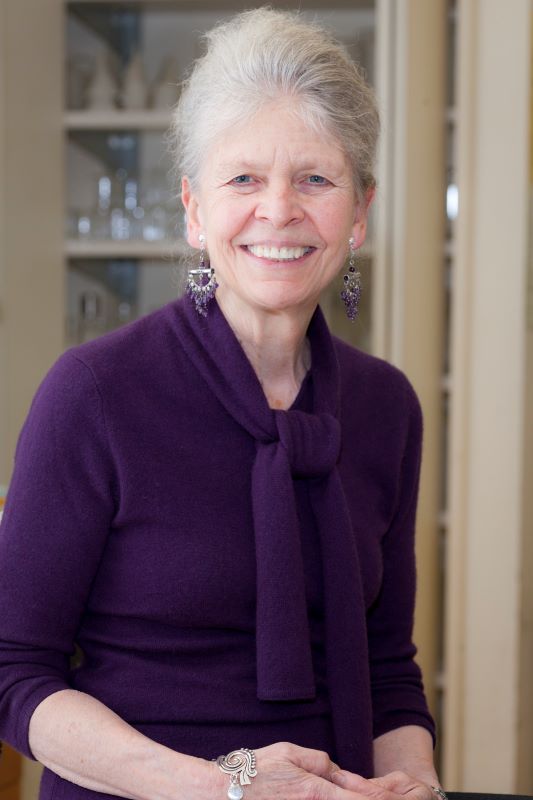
(425, 772)
(430, 779)
(191, 777)
(216, 783)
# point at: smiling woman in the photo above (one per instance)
(231, 543)
(277, 205)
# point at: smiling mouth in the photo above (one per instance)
(278, 253)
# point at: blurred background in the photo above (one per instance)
(91, 237)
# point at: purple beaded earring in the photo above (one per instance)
(201, 282)
(351, 292)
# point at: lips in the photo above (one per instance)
(273, 253)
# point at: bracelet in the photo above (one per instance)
(240, 766)
(439, 792)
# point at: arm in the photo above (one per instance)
(397, 690)
(408, 749)
(52, 535)
(403, 727)
(403, 765)
(86, 743)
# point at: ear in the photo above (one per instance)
(192, 210)
(361, 217)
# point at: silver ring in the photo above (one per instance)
(439, 792)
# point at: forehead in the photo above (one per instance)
(276, 134)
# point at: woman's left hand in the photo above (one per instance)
(388, 787)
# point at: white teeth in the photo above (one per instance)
(277, 253)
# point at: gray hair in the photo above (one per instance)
(257, 57)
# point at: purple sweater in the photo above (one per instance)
(131, 530)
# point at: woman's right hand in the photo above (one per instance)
(289, 772)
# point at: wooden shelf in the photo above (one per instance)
(143, 120)
(167, 250)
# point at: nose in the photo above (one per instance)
(280, 205)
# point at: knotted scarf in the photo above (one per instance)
(306, 445)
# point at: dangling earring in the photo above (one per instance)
(351, 292)
(201, 282)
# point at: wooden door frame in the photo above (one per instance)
(31, 207)
(485, 633)
(408, 319)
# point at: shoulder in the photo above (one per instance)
(137, 358)
(372, 378)
(379, 406)
(133, 346)
(113, 365)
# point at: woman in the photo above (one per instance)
(217, 502)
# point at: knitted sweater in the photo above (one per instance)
(129, 531)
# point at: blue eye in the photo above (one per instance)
(241, 179)
(317, 179)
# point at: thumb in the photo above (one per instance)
(398, 782)
(315, 761)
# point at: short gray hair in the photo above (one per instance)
(259, 56)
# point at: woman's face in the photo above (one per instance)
(277, 204)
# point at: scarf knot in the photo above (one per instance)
(312, 442)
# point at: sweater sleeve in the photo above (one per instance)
(397, 690)
(57, 516)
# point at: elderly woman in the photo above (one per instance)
(216, 503)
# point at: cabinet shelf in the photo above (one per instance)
(169, 249)
(143, 120)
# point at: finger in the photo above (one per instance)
(402, 783)
(331, 791)
(399, 782)
(317, 762)
(356, 783)
(392, 787)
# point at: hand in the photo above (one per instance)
(388, 787)
(290, 772)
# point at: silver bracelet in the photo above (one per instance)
(240, 766)
(439, 792)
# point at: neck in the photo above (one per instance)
(274, 343)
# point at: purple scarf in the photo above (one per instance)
(307, 445)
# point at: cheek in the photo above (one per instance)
(227, 219)
(335, 223)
